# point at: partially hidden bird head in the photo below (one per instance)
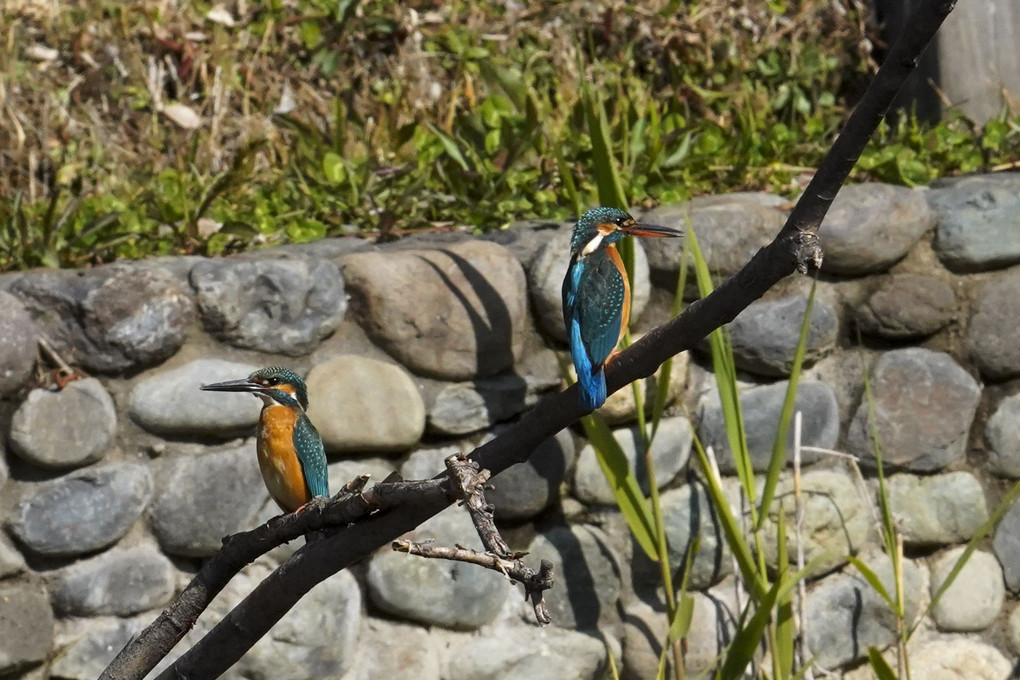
(273, 385)
(600, 227)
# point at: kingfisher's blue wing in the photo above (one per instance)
(593, 298)
(312, 456)
(599, 306)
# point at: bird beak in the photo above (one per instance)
(243, 385)
(638, 229)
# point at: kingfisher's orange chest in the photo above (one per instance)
(278, 460)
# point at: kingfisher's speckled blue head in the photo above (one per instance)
(600, 227)
(272, 384)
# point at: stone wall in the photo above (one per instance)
(114, 488)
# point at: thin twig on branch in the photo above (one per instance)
(470, 480)
(470, 483)
(794, 248)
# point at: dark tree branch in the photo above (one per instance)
(143, 653)
(470, 483)
(403, 508)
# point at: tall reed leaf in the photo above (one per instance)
(449, 146)
(778, 460)
(745, 643)
(888, 525)
(607, 177)
(626, 490)
(785, 633)
(567, 180)
(972, 545)
(874, 581)
(726, 382)
(681, 623)
(682, 616)
(753, 578)
(879, 665)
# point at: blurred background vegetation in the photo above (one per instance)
(166, 126)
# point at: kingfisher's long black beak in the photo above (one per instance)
(638, 229)
(242, 385)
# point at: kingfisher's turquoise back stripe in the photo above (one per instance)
(312, 456)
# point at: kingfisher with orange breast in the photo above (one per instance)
(596, 294)
(290, 452)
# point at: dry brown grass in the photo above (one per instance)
(101, 97)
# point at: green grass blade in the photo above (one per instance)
(683, 615)
(636, 145)
(888, 525)
(745, 642)
(782, 653)
(449, 146)
(791, 582)
(879, 665)
(48, 221)
(681, 623)
(778, 460)
(726, 381)
(660, 671)
(632, 502)
(680, 154)
(753, 579)
(876, 583)
(975, 541)
(567, 179)
(607, 177)
(510, 80)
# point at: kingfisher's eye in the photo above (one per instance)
(272, 381)
(621, 221)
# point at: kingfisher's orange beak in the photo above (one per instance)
(638, 229)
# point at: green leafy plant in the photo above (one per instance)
(60, 232)
(377, 118)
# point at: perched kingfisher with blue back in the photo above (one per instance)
(290, 452)
(596, 294)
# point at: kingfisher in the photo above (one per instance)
(290, 452)
(596, 294)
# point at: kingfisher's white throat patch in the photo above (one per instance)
(604, 230)
(592, 246)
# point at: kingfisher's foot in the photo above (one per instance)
(317, 503)
(612, 355)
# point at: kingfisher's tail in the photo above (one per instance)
(591, 379)
(593, 388)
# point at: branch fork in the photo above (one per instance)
(467, 482)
